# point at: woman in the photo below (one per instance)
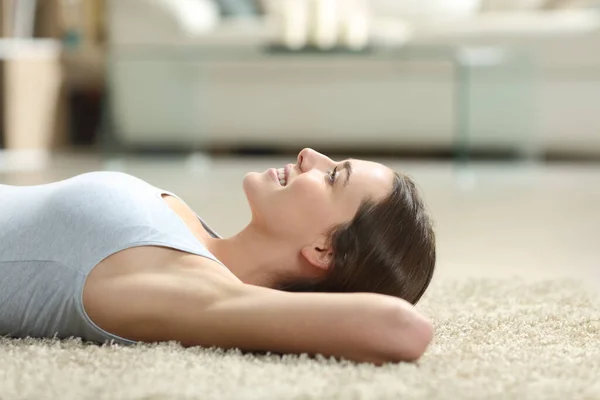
(106, 256)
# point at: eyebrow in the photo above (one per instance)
(348, 166)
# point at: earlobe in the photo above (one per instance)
(316, 256)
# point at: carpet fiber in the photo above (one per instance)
(495, 339)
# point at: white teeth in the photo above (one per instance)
(281, 173)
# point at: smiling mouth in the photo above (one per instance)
(282, 176)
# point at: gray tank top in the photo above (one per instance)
(53, 235)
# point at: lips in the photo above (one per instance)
(274, 174)
(287, 173)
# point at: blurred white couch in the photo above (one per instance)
(172, 85)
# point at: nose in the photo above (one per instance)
(309, 159)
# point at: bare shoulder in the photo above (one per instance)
(208, 307)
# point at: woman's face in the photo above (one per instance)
(313, 198)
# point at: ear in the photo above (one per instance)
(317, 254)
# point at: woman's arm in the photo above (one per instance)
(210, 310)
(359, 326)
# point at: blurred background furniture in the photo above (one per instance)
(226, 87)
(52, 57)
(32, 82)
(434, 76)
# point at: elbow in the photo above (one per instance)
(411, 334)
(420, 336)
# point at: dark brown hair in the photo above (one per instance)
(388, 247)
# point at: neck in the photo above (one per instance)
(254, 257)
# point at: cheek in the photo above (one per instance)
(312, 201)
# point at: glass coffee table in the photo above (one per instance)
(492, 100)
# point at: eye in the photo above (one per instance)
(331, 175)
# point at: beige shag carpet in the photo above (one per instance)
(495, 339)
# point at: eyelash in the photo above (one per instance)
(332, 176)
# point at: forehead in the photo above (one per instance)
(373, 178)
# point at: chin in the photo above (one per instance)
(259, 182)
(247, 184)
(259, 193)
(251, 182)
(253, 187)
